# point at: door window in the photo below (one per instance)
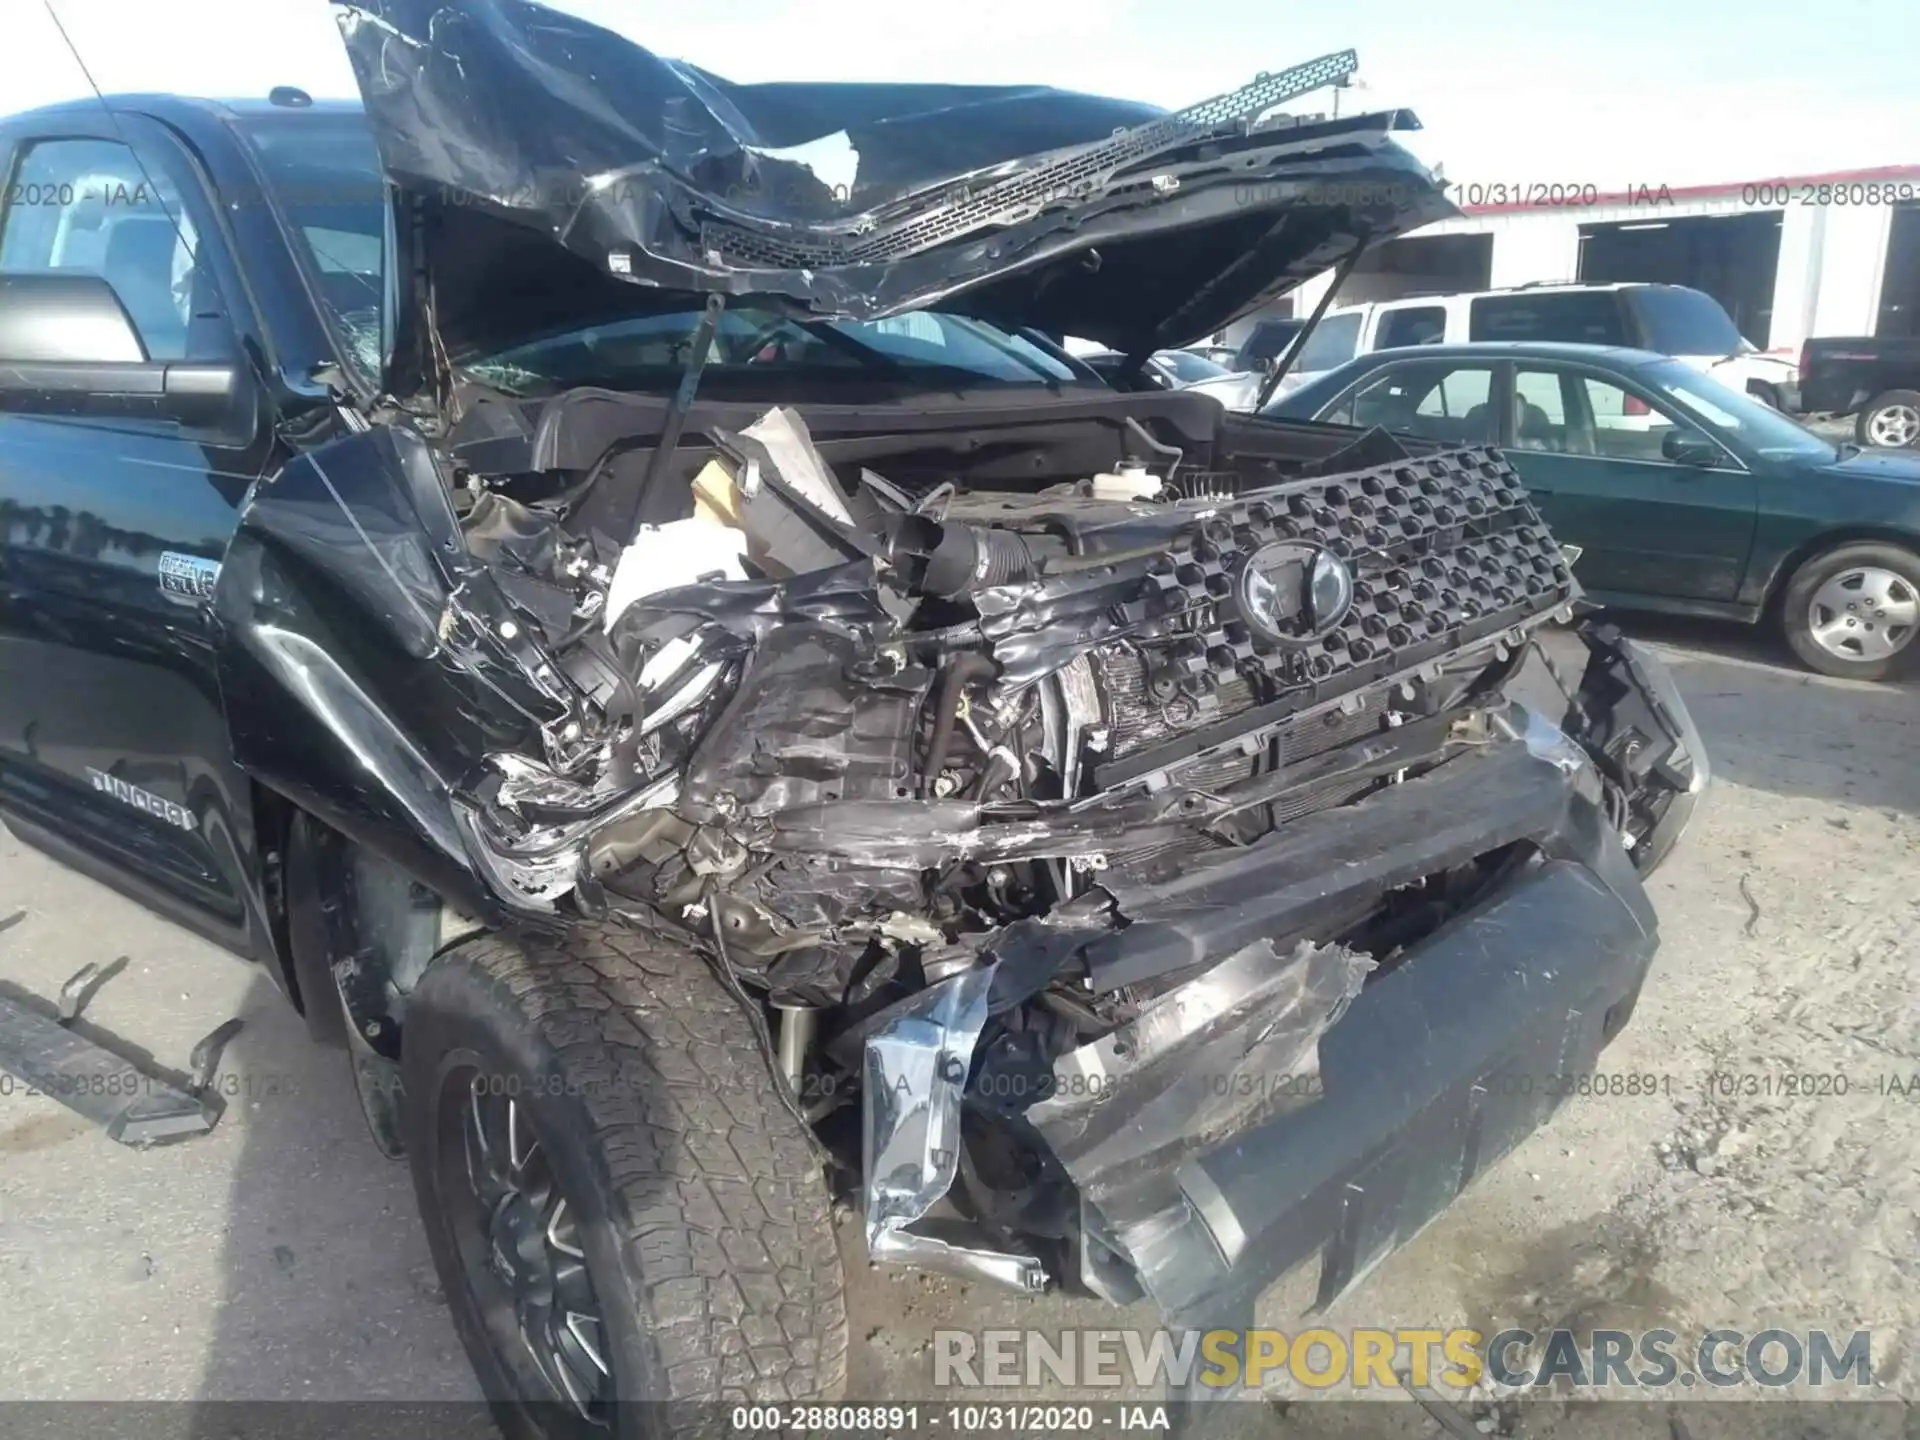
(1539, 411)
(1625, 427)
(1436, 402)
(1412, 325)
(89, 205)
(1458, 395)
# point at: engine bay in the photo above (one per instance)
(815, 733)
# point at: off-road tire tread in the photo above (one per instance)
(726, 1214)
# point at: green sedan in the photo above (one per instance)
(1680, 494)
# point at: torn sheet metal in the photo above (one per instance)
(1207, 1060)
(534, 130)
(914, 1074)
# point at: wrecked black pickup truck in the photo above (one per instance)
(593, 577)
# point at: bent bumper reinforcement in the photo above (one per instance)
(1273, 1107)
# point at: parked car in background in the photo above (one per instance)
(1874, 379)
(1221, 355)
(1177, 370)
(1265, 343)
(1682, 494)
(1688, 324)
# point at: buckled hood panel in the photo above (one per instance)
(561, 174)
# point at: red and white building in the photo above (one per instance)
(1789, 256)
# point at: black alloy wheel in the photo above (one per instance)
(519, 1241)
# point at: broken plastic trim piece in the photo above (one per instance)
(1662, 694)
(1204, 1063)
(915, 1073)
(1544, 739)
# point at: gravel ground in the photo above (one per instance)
(281, 1259)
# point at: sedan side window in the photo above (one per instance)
(1459, 395)
(88, 205)
(1435, 402)
(1539, 411)
(1625, 427)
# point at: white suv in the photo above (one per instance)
(1671, 319)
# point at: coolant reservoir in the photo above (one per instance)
(663, 557)
(1126, 482)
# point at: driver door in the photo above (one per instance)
(113, 742)
(1590, 447)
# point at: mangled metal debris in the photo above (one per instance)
(991, 793)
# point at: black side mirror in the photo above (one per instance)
(1689, 447)
(68, 347)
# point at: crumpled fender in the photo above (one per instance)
(344, 687)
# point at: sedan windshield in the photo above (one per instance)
(1740, 418)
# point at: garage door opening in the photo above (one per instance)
(1731, 257)
(1420, 265)
(1900, 282)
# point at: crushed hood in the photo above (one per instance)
(562, 174)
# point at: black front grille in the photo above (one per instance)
(1445, 552)
(1441, 548)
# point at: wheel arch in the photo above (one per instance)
(323, 915)
(273, 823)
(1791, 562)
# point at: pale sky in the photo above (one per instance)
(1615, 94)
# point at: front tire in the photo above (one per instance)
(618, 1203)
(1854, 611)
(1890, 421)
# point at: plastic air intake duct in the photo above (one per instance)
(950, 561)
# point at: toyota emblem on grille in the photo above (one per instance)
(1293, 591)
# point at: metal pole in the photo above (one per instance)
(1285, 362)
(682, 402)
(796, 1038)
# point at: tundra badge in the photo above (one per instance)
(141, 799)
(187, 579)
